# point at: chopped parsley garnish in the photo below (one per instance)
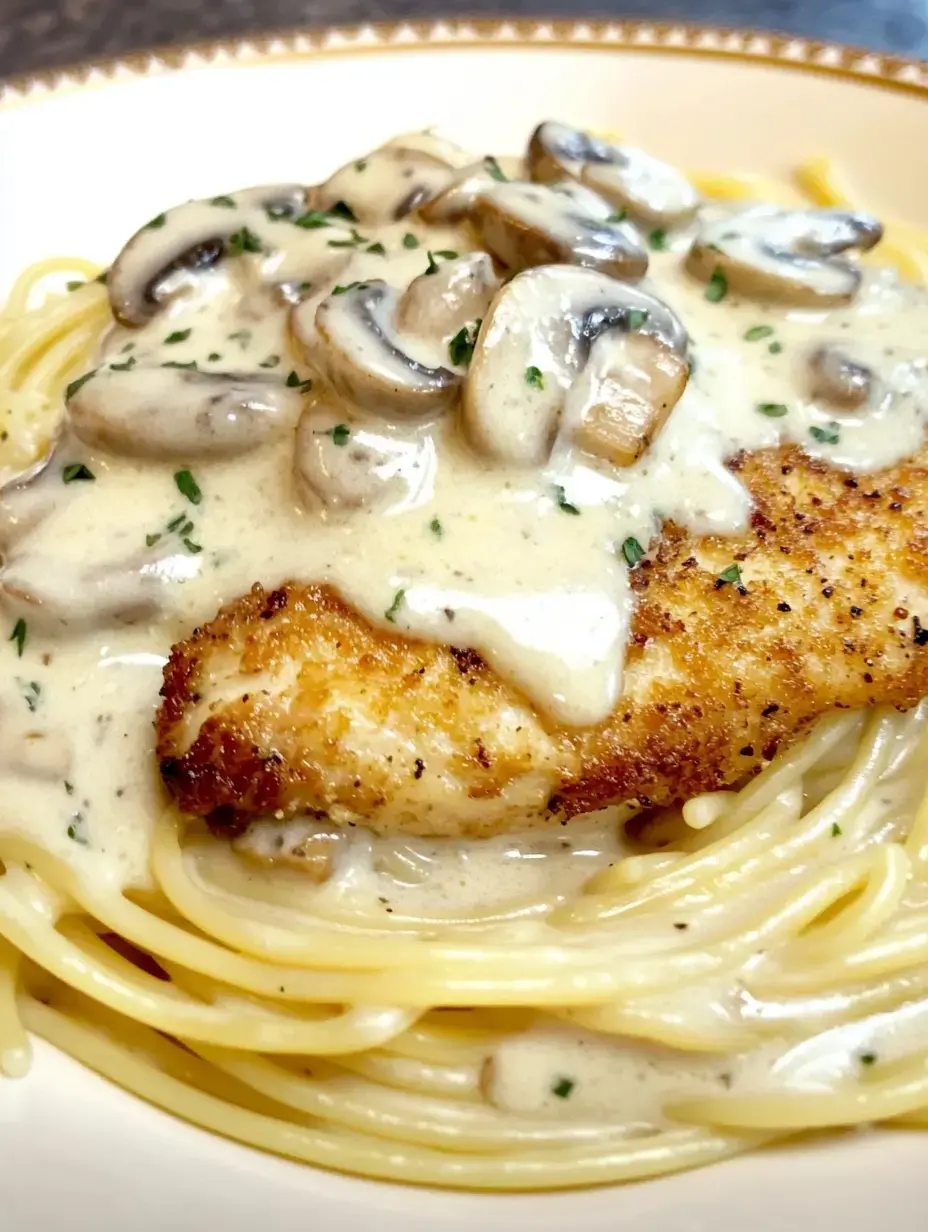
(295, 381)
(360, 165)
(535, 377)
(340, 434)
(75, 283)
(226, 203)
(244, 240)
(461, 346)
(31, 692)
(151, 540)
(756, 332)
(636, 318)
(188, 486)
(632, 551)
(179, 335)
(436, 528)
(658, 239)
(563, 1087)
(192, 547)
(617, 216)
(356, 239)
(76, 832)
(75, 472)
(76, 385)
(494, 168)
(835, 830)
(189, 366)
(377, 249)
(213, 357)
(773, 410)
(868, 1058)
(826, 436)
(718, 286)
(313, 219)
(19, 635)
(342, 289)
(271, 362)
(156, 222)
(127, 366)
(410, 241)
(775, 348)
(562, 501)
(446, 254)
(432, 267)
(69, 787)
(398, 600)
(341, 209)
(177, 523)
(731, 575)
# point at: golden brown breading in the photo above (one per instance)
(290, 701)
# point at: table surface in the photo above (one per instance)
(36, 34)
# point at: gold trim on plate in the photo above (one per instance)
(751, 46)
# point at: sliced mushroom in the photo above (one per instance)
(536, 224)
(649, 189)
(183, 242)
(59, 596)
(426, 141)
(386, 184)
(458, 198)
(438, 305)
(178, 413)
(840, 380)
(343, 464)
(308, 846)
(543, 331)
(355, 341)
(787, 255)
(27, 498)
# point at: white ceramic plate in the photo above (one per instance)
(83, 157)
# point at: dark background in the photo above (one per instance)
(37, 34)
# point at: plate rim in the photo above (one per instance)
(749, 45)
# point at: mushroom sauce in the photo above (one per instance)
(307, 392)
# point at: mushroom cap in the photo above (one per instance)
(651, 190)
(839, 380)
(438, 305)
(348, 464)
(792, 256)
(176, 413)
(386, 184)
(549, 319)
(189, 239)
(459, 196)
(526, 224)
(358, 349)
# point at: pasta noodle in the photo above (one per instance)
(783, 918)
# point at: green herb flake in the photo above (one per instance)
(76, 472)
(156, 223)
(340, 434)
(436, 528)
(341, 209)
(213, 357)
(344, 288)
(243, 241)
(76, 832)
(192, 548)
(868, 1058)
(718, 286)
(188, 486)
(826, 436)
(151, 540)
(31, 692)
(432, 267)
(295, 381)
(636, 319)
(410, 241)
(775, 348)
(494, 168)
(461, 346)
(836, 830)
(562, 502)
(535, 377)
(225, 203)
(177, 523)
(632, 551)
(447, 254)
(360, 165)
(376, 249)
(271, 362)
(563, 1088)
(76, 385)
(75, 284)
(773, 410)
(189, 366)
(69, 787)
(313, 219)
(757, 332)
(658, 239)
(19, 635)
(179, 335)
(398, 600)
(126, 366)
(617, 216)
(730, 576)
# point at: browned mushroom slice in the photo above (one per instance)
(793, 256)
(458, 198)
(536, 224)
(840, 380)
(558, 342)
(354, 340)
(649, 189)
(180, 244)
(175, 413)
(385, 185)
(457, 294)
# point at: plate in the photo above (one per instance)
(83, 156)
